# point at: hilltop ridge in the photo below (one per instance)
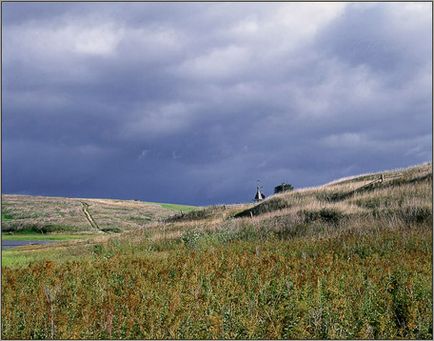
(357, 196)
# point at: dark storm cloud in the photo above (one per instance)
(194, 102)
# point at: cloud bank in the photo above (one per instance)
(193, 102)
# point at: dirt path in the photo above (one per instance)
(89, 217)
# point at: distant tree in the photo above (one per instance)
(283, 187)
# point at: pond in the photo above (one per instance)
(7, 244)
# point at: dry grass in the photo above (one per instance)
(310, 264)
(403, 188)
(376, 286)
(52, 214)
(28, 212)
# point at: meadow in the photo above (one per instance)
(37, 214)
(348, 260)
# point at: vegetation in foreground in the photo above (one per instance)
(342, 261)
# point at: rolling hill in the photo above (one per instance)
(57, 214)
(348, 260)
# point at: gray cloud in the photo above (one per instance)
(194, 102)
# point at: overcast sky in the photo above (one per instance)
(192, 103)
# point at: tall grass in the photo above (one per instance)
(302, 267)
(376, 286)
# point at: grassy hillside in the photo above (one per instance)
(351, 259)
(24, 213)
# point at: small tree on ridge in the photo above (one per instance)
(283, 188)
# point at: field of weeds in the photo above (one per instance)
(352, 259)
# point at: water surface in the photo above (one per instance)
(7, 244)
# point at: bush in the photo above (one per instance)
(266, 206)
(36, 228)
(327, 215)
(292, 231)
(283, 188)
(409, 215)
(111, 229)
(191, 238)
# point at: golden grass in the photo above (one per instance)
(51, 214)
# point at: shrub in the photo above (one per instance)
(408, 215)
(111, 229)
(38, 228)
(327, 215)
(283, 188)
(292, 231)
(266, 206)
(191, 238)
